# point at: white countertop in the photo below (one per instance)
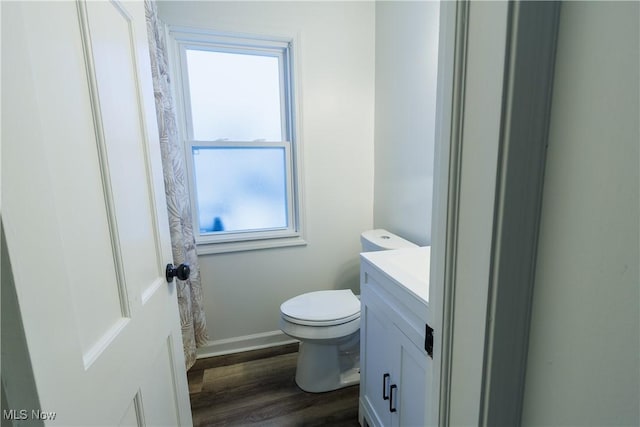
(408, 267)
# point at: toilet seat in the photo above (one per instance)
(320, 323)
(322, 308)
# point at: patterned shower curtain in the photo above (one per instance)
(192, 320)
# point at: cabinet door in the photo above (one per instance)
(410, 372)
(376, 369)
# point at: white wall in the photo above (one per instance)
(406, 71)
(584, 355)
(243, 291)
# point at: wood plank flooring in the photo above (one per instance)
(257, 388)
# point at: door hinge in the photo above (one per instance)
(428, 340)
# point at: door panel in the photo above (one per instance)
(85, 215)
(377, 360)
(158, 379)
(412, 371)
(77, 209)
(109, 41)
(130, 417)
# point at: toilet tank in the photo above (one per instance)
(382, 240)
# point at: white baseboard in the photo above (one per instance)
(244, 343)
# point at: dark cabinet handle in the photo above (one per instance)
(385, 378)
(181, 272)
(391, 407)
(385, 385)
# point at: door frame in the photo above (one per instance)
(485, 235)
(448, 50)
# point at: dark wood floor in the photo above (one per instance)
(258, 388)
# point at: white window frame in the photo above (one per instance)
(182, 39)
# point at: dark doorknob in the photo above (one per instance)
(181, 272)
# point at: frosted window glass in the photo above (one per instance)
(240, 189)
(234, 96)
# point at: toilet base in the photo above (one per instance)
(328, 365)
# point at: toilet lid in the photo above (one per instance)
(322, 308)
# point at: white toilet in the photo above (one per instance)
(327, 323)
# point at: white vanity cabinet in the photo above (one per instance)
(395, 366)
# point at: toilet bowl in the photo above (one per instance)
(327, 324)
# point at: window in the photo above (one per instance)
(237, 116)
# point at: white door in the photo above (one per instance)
(85, 216)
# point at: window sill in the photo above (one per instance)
(207, 248)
